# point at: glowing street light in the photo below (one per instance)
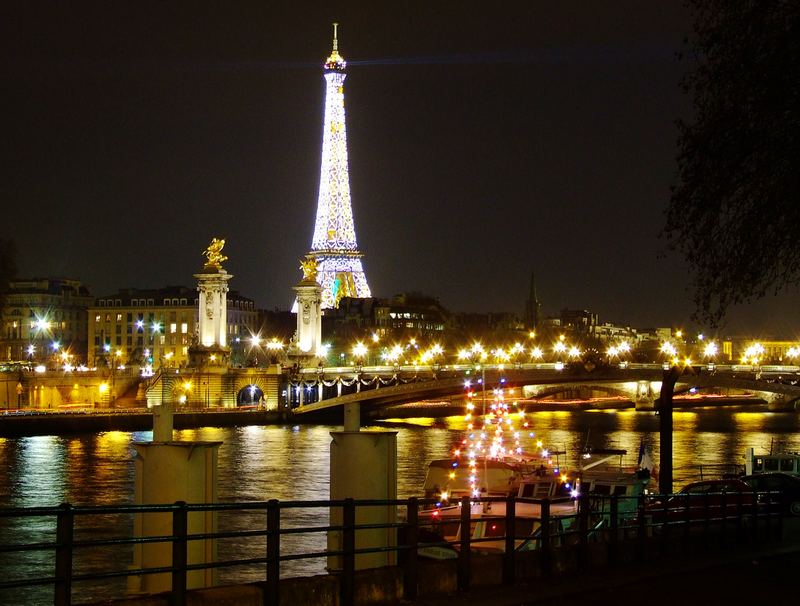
(359, 352)
(668, 349)
(394, 354)
(274, 345)
(753, 354)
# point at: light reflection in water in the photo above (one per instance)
(292, 463)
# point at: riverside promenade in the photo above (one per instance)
(678, 570)
(761, 577)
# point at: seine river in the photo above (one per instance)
(257, 463)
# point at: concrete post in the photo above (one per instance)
(167, 472)
(352, 417)
(364, 466)
(162, 422)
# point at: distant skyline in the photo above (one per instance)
(484, 143)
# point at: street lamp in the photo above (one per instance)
(274, 347)
(359, 352)
(710, 352)
(671, 353)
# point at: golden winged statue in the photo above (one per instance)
(309, 267)
(213, 254)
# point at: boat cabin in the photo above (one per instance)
(767, 463)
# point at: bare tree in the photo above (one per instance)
(735, 211)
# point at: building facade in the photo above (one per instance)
(44, 321)
(157, 326)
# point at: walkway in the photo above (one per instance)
(769, 577)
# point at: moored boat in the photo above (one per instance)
(788, 462)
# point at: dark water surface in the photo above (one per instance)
(257, 463)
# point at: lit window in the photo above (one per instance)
(119, 317)
(184, 328)
(173, 327)
(97, 317)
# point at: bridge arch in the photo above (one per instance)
(249, 394)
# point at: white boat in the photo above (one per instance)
(598, 476)
(448, 479)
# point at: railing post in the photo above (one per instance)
(665, 525)
(740, 517)
(547, 549)
(754, 537)
(180, 530)
(412, 542)
(687, 516)
(348, 590)
(613, 539)
(509, 566)
(273, 553)
(464, 549)
(583, 527)
(641, 529)
(706, 517)
(65, 523)
(723, 511)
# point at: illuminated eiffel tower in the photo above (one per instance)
(334, 246)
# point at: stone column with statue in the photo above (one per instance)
(211, 348)
(307, 342)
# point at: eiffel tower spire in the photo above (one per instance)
(334, 245)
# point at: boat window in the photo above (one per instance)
(527, 490)
(601, 489)
(495, 528)
(771, 464)
(787, 464)
(758, 464)
(620, 490)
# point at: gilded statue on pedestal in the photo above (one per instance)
(309, 267)
(213, 254)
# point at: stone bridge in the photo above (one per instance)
(371, 388)
(328, 389)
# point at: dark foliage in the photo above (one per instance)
(736, 210)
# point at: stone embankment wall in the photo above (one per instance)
(67, 423)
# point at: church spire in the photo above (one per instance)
(533, 308)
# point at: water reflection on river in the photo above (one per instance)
(291, 463)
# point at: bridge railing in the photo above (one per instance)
(61, 536)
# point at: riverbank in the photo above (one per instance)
(60, 423)
(33, 422)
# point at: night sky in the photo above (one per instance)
(486, 140)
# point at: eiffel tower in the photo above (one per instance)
(334, 247)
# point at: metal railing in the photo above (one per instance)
(593, 519)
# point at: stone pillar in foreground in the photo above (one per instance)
(168, 471)
(364, 466)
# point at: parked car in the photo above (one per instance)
(780, 491)
(706, 499)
